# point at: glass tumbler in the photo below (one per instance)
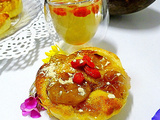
(77, 21)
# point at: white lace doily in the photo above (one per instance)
(24, 40)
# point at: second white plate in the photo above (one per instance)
(31, 8)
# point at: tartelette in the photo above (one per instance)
(88, 84)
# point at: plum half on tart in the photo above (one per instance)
(88, 84)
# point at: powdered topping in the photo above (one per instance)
(81, 61)
(69, 81)
(49, 70)
(81, 91)
(102, 59)
(111, 96)
(118, 74)
(108, 83)
(60, 92)
(107, 63)
(52, 83)
(80, 110)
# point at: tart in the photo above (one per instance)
(12, 7)
(8, 9)
(88, 84)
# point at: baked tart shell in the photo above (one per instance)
(102, 102)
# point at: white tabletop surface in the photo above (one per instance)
(135, 38)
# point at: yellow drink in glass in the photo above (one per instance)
(76, 22)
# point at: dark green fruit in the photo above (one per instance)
(120, 7)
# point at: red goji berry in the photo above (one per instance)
(60, 11)
(78, 63)
(88, 61)
(81, 12)
(86, 57)
(93, 72)
(78, 78)
(95, 9)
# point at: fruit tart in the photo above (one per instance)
(10, 7)
(88, 84)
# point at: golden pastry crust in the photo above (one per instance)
(97, 98)
(12, 7)
(5, 22)
(8, 10)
